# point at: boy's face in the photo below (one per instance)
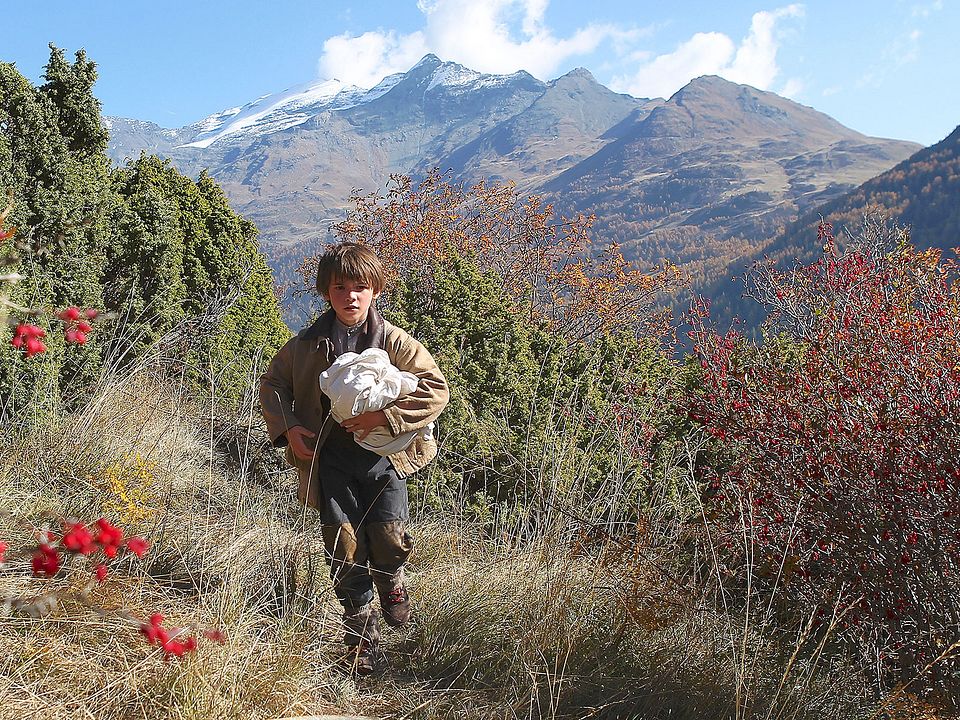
(351, 299)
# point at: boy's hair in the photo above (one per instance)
(350, 261)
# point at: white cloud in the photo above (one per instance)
(495, 36)
(366, 59)
(904, 50)
(754, 62)
(927, 10)
(792, 89)
(703, 54)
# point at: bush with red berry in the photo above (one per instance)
(27, 335)
(836, 484)
(78, 548)
(93, 546)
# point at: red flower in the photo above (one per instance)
(28, 336)
(84, 327)
(78, 539)
(35, 347)
(46, 561)
(75, 336)
(6, 234)
(101, 572)
(154, 631)
(109, 538)
(3, 550)
(91, 313)
(177, 648)
(138, 546)
(30, 331)
(157, 635)
(151, 630)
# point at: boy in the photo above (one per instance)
(361, 496)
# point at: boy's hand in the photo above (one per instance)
(296, 436)
(361, 425)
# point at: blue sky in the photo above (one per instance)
(886, 68)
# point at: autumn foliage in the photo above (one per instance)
(552, 350)
(543, 262)
(838, 480)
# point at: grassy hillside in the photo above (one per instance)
(567, 621)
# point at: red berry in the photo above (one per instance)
(46, 561)
(138, 546)
(35, 347)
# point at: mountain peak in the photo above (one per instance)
(579, 73)
(427, 62)
(710, 104)
(706, 84)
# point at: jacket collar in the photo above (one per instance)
(371, 335)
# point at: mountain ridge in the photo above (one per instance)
(705, 177)
(920, 192)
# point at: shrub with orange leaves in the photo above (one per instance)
(554, 352)
(550, 266)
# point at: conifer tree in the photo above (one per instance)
(70, 90)
(145, 242)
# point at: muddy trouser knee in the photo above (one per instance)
(364, 514)
(389, 546)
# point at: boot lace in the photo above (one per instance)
(397, 595)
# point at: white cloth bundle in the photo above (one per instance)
(367, 382)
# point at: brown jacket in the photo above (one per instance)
(290, 394)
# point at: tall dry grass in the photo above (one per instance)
(570, 619)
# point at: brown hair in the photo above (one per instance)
(350, 261)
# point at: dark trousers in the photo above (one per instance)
(364, 515)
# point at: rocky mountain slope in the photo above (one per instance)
(709, 176)
(705, 178)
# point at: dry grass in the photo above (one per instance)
(544, 628)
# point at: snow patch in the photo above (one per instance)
(453, 75)
(297, 105)
(316, 95)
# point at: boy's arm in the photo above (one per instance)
(423, 405)
(276, 395)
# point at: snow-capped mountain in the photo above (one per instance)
(672, 179)
(287, 109)
(295, 106)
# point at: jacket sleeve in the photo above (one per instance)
(423, 405)
(276, 395)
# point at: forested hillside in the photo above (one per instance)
(922, 193)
